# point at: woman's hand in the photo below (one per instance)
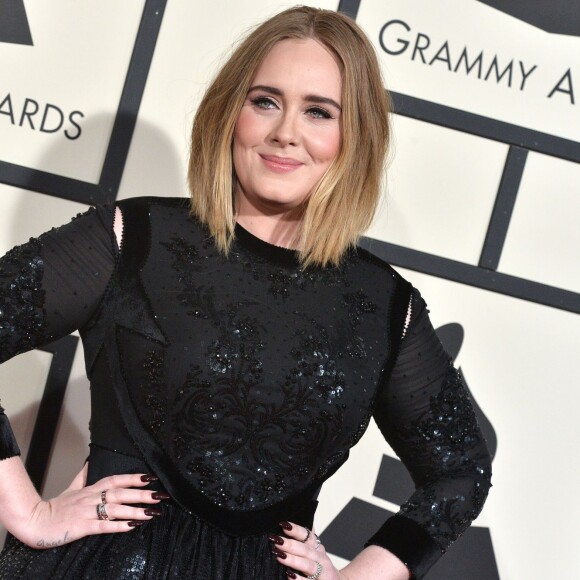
(304, 555)
(73, 514)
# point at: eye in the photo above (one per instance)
(263, 103)
(318, 113)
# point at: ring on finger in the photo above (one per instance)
(307, 536)
(317, 542)
(102, 512)
(317, 573)
(104, 496)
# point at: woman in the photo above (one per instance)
(237, 346)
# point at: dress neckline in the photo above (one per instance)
(277, 254)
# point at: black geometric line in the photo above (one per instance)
(503, 208)
(63, 351)
(556, 16)
(14, 27)
(473, 275)
(51, 184)
(486, 127)
(124, 124)
(131, 97)
(349, 7)
(393, 481)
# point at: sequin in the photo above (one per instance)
(448, 428)
(22, 314)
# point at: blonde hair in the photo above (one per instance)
(343, 203)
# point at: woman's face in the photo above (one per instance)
(288, 131)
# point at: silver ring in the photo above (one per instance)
(307, 536)
(102, 512)
(317, 573)
(317, 542)
(104, 496)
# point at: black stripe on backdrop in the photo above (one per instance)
(503, 208)
(118, 148)
(473, 275)
(63, 353)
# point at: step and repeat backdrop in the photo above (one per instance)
(481, 212)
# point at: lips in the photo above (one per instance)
(280, 164)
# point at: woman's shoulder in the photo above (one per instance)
(144, 212)
(363, 258)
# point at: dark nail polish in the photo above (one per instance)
(160, 495)
(153, 512)
(149, 477)
(276, 539)
(285, 525)
(290, 574)
(135, 523)
(279, 553)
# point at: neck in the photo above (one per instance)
(279, 229)
(277, 232)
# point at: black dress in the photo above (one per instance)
(241, 382)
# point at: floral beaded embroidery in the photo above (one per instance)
(449, 429)
(22, 316)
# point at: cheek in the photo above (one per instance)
(248, 128)
(327, 146)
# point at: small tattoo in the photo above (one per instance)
(45, 544)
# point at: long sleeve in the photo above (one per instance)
(425, 414)
(51, 286)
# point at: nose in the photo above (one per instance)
(285, 130)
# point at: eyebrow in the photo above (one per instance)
(311, 98)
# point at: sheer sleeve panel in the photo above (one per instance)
(51, 286)
(426, 415)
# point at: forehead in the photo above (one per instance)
(301, 65)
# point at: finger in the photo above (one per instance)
(304, 566)
(124, 480)
(106, 527)
(303, 535)
(80, 479)
(131, 496)
(290, 546)
(125, 512)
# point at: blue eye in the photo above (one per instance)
(263, 102)
(319, 113)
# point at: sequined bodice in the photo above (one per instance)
(262, 375)
(243, 381)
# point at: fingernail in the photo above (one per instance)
(149, 477)
(160, 495)
(276, 539)
(290, 574)
(285, 525)
(279, 553)
(134, 524)
(153, 512)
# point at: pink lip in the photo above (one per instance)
(280, 164)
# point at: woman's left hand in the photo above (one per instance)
(301, 551)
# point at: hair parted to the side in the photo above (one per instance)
(344, 202)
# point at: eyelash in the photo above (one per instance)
(315, 111)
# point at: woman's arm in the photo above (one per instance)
(71, 515)
(49, 287)
(373, 563)
(426, 415)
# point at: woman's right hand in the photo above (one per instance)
(73, 514)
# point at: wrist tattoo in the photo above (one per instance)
(47, 544)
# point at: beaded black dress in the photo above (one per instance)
(241, 382)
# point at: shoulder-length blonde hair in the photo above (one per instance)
(343, 203)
